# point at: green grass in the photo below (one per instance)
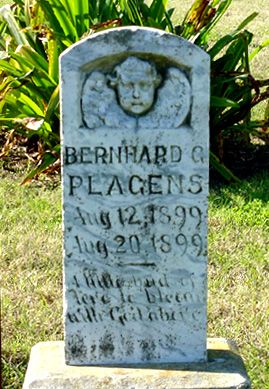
(30, 279)
(3, 2)
(239, 272)
(31, 275)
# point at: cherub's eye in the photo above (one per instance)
(143, 85)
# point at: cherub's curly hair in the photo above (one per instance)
(127, 66)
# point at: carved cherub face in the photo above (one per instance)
(136, 82)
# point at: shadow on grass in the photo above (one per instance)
(256, 187)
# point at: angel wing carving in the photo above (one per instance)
(101, 103)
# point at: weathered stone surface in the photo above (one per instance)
(135, 178)
(224, 370)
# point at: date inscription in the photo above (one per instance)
(140, 216)
(178, 226)
(122, 245)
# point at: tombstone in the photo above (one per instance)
(135, 179)
(135, 129)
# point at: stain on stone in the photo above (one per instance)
(93, 351)
(106, 346)
(148, 347)
(129, 347)
(76, 347)
(170, 340)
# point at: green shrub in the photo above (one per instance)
(35, 32)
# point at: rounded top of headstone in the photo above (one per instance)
(150, 77)
(132, 40)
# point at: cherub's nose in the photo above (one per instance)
(136, 92)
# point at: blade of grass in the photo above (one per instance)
(258, 49)
(81, 11)
(47, 161)
(222, 169)
(223, 102)
(53, 57)
(53, 104)
(68, 28)
(14, 28)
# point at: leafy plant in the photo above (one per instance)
(35, 32)
(234, 91)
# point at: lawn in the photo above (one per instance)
(239, 271)
(31, 273)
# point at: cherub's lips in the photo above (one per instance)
(137, 104)
(136, 107)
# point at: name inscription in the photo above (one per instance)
(134, 184)
(156, 155)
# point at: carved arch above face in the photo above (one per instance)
(131, 96)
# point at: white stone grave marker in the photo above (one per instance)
(135, 105)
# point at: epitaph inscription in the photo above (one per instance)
(135, 172)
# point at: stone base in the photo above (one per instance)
(224, 370)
